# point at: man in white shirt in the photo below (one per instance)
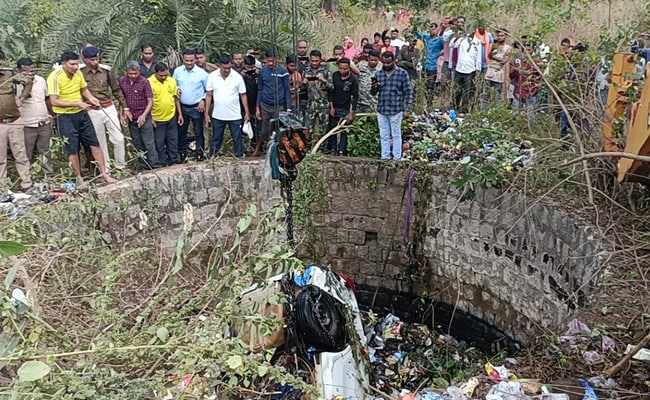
(36, 119)
(395, 41)
(469, 62)
(226, 88)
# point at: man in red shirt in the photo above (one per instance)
(137, 114)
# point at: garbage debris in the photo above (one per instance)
(442, 137)
(19, 301)
(408, 357)
(590, 344)
(14, 204)
(642, 355)
(506, 390)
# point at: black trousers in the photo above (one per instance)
(464, 91)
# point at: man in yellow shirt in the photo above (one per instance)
(164, 114)
(66, 86)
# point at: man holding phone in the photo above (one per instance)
(367, 70)
(318, 81)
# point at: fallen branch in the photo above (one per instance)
(604, 154)
(619, 365)
(342, 125)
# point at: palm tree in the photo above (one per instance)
(119, 28)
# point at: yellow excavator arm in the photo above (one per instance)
(629, 134)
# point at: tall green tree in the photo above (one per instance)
(120, 27)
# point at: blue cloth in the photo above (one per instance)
(645, 53)
(484, 63)
(191, 84)
(191, 115)
(395, 92)
(274, 161)
(390, 126)
(218, 128)
(589, 391)
(432, 49)
(274, 81)
(302, 279)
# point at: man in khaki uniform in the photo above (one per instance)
(202, 61)
(105, 117)
(35, 117)
(11, 133)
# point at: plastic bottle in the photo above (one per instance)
(69, 187)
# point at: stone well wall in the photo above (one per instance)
(507, 259)
(514, 262)
(219, 194)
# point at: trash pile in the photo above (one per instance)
(14, 205)
(411, 362)
(579, 337)
(406, 357)
(443, 137)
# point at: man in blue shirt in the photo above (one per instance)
(191, 81)
(395, 101)
(433, 44)
(273, 96)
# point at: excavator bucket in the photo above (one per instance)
(637, 138)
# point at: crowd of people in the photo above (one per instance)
(92, 104)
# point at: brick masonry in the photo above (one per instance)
(518, 264)
(220, 195)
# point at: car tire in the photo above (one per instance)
(320, 320)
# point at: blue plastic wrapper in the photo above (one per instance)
(589, 391)
(302, 279)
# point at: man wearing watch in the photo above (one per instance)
(192, 82)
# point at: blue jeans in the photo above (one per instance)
(166, 134)
(528, 105)
(564, 126)
(390, 126)
(191, 113)
(491, 93)
(218, 128)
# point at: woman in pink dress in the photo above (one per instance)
(348, 48)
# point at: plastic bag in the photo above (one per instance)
(248, 129)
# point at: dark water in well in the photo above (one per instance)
(411, 308)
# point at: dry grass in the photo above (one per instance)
(581, 28)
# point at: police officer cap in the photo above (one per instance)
(90, 52)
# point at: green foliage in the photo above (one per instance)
(363, 137)
(44, 28)
(8, 248)
(135, 318)
(309, 190)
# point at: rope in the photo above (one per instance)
(409, 204)
(274, 44)
(286, 184)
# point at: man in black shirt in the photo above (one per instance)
(343, 102)
(148, 62)
(250, 74)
